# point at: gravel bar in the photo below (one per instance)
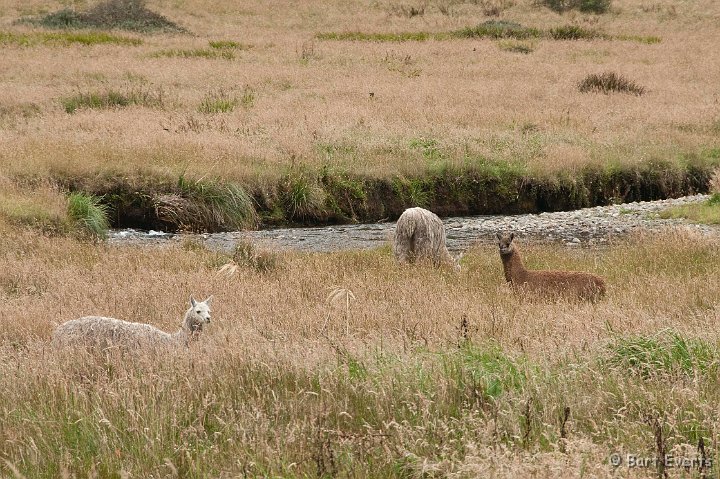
(586, 227)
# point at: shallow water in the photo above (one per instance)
(586, 227)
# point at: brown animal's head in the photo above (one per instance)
(505, 242)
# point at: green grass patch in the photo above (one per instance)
(31, 39)
(485, 370)
(648, 40)
(608, 82)
(707, 212)
(666, 352)
(208, 53)
(88, 215)
(111, 14)
(498, 29)
(226, 45)
(514, 46)
(574, 32)
(218, 102)
(585, 6)
(110, 98)
(375, 37)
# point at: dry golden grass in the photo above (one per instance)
(313, 102)
(386, 381)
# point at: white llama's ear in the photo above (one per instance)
(192, 301)
(209, 300)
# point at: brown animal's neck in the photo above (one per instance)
(513, 266)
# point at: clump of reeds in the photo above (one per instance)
(88, 215)
(608, 82)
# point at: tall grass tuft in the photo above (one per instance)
(302, 196)
(218, 102)
(206, 205)
(609, 82)
(88, 215)
(246, 255)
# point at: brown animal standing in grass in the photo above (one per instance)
(585, 286)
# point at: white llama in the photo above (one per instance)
(105, 332)
(420, 233)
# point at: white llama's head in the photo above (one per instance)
(198, 315)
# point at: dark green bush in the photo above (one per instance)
(609, 82)
(121, 14)
(573, 32)
(498, 29)
(586, 6)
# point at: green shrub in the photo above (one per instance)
(609, 82)
(573, 32)
(497, 29)
(586, 6)
(111, 14)
(88, 215)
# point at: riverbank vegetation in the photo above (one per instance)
(348, 365)
(314, 126)
(707, 212)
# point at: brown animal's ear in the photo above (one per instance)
(499, 236)
(512, 236)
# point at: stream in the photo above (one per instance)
(585, 227)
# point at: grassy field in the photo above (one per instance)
(420, 373)
(340, 111)
(347, 364)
